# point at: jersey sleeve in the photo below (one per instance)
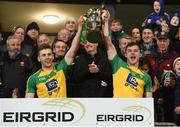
(116, 63)
(148, 85)
(62, 65)
(31, 85)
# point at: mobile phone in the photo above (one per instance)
(168, 74)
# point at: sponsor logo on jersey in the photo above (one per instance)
(132, 80)
(52, 86)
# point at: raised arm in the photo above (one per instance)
(69, 57)
(111, 51)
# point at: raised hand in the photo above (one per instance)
(105, 15)
(80, 21)
(93, 68)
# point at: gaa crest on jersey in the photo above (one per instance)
(132, 80)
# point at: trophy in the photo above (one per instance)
(92, 20)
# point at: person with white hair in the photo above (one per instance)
(70, 24)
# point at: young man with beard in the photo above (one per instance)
(128, 80)
(50, 80)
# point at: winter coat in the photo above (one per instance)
(85, 84)
(15, 72)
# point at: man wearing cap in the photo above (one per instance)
(162, 57)
(32, 33)
(161, 60)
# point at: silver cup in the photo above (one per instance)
(93, 19)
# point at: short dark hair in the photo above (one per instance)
(42, 47)
(140, 29)
(53, 45)
(133, 44)
(116, 21)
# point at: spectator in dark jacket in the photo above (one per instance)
(162, 57)
(177, 42)
(20, 33)
(1, 63)
(16, 68)
(174, 24)
(32, 33)
(2, 43)
(176, 66)
(161, 60)
(91, 74)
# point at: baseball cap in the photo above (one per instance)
(162, 35)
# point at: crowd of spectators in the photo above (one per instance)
(32, 65)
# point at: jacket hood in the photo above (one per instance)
(161, 2)
(172, 15)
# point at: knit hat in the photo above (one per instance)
(32, 25)
(175, 61)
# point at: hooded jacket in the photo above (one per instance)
(161, 16)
